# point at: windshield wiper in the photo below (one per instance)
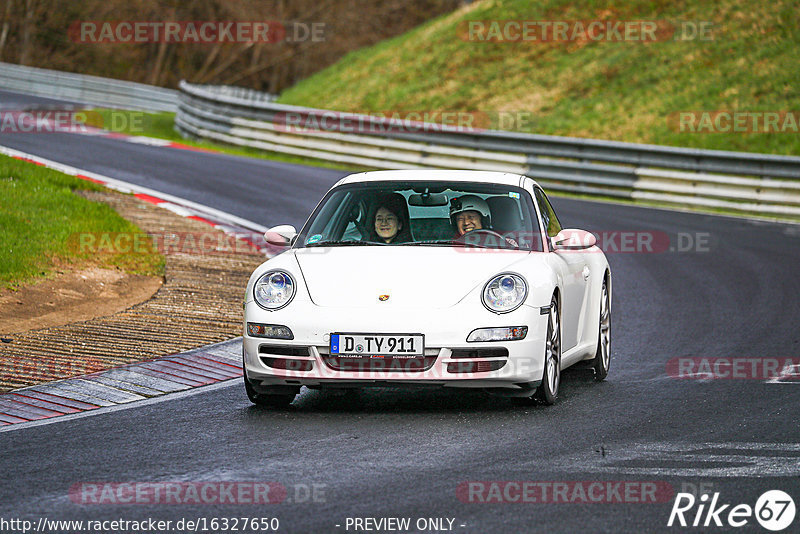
(345, 243)
(446, 242)
(449, 243)
(334, 243)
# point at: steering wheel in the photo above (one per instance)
(467, 238)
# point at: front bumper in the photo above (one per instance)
(445, 331)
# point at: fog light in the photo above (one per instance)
(273, 331)
(508, 333)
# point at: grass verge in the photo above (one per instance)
(41, 217)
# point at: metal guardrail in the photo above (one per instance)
(738, 181)
(85, 89)
(240, 94)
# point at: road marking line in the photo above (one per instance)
(719, 460)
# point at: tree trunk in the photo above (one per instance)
(27, 28)
(154, 74)
(6, 26)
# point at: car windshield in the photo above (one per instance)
(418, 213)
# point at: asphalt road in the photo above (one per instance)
(19, 102)
(267, 192)
(399, 453)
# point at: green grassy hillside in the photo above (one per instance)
(626, 91)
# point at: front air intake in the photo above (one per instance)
(481, 352)
(288, 365)
(283, 350)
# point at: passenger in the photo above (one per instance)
(390, 219)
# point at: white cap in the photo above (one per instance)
(469, 203)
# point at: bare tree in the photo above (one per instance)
(27, 29)
(36, 32)
(6, 26)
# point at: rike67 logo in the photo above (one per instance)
(774, 510)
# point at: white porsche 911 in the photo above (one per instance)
(461, 279)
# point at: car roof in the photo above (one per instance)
(505, 178)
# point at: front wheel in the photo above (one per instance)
(602, 359)
(547, 392)
(551, 378)
(280, 400)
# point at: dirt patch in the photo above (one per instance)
(200, 302)
(73, 296)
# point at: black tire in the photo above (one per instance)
(281, 400)
(547, 392)
(602, 359)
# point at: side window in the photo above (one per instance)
(351, 233)
(330, 222)
(551, 223)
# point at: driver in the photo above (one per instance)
(469, 213)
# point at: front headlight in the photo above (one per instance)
(274, 290)
(505, 293)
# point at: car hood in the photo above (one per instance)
(412, 276)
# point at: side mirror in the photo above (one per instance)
(281, 236)
(573, 239)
